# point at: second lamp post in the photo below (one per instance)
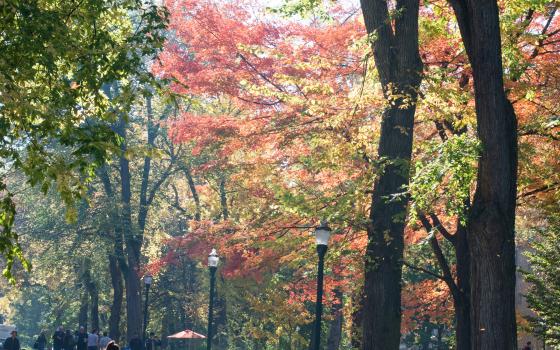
(147, 282)
(213, 260)
(322, 235)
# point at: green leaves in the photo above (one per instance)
(9, 247)
(55, 58)
(544, 292)
(445, 174)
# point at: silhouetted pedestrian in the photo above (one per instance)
(41, 342)
(135, 343)
(82, 339)
(58, 338)
(12, 343)
(69, 342)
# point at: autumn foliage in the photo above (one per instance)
(288, 111)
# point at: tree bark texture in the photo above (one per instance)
(357, 318)
(491, 219)
(462, 305)
(397, 59)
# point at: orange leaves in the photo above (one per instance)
(427, 298)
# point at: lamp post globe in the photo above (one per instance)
(148, 279)
(213, 258)
(322, 235)
(213, 261)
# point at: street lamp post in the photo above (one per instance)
(213, 260)
(322, 235)
(147, 282)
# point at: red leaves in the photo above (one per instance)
(203, 130)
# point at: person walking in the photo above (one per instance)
(82, 342)
(12, 343)
(135, 343)
(41, 342)
(104, 341)
(93, 340)
(152, 343)
(58, 338)
(528, 346)
(69, 343)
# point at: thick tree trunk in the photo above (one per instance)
(491, 219)
(399, 66)
(357, 318)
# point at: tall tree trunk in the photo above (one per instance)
(335, 330)
(399, 66)
(133, 292)
(86, 282)
(132, 244)
(152, 131)
(84, 306)
(116, 305)
(116, 259)
(462, 304)
(94, 295)
(491, 220)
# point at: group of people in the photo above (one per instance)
(81, 340)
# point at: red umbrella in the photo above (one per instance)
(186, 334)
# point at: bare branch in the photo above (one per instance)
(426, 271)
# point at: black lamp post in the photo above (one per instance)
(322, 235)
(213, 260)
(147, 282)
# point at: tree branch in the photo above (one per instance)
(426, 271)
(541, 189)
(441, 229)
